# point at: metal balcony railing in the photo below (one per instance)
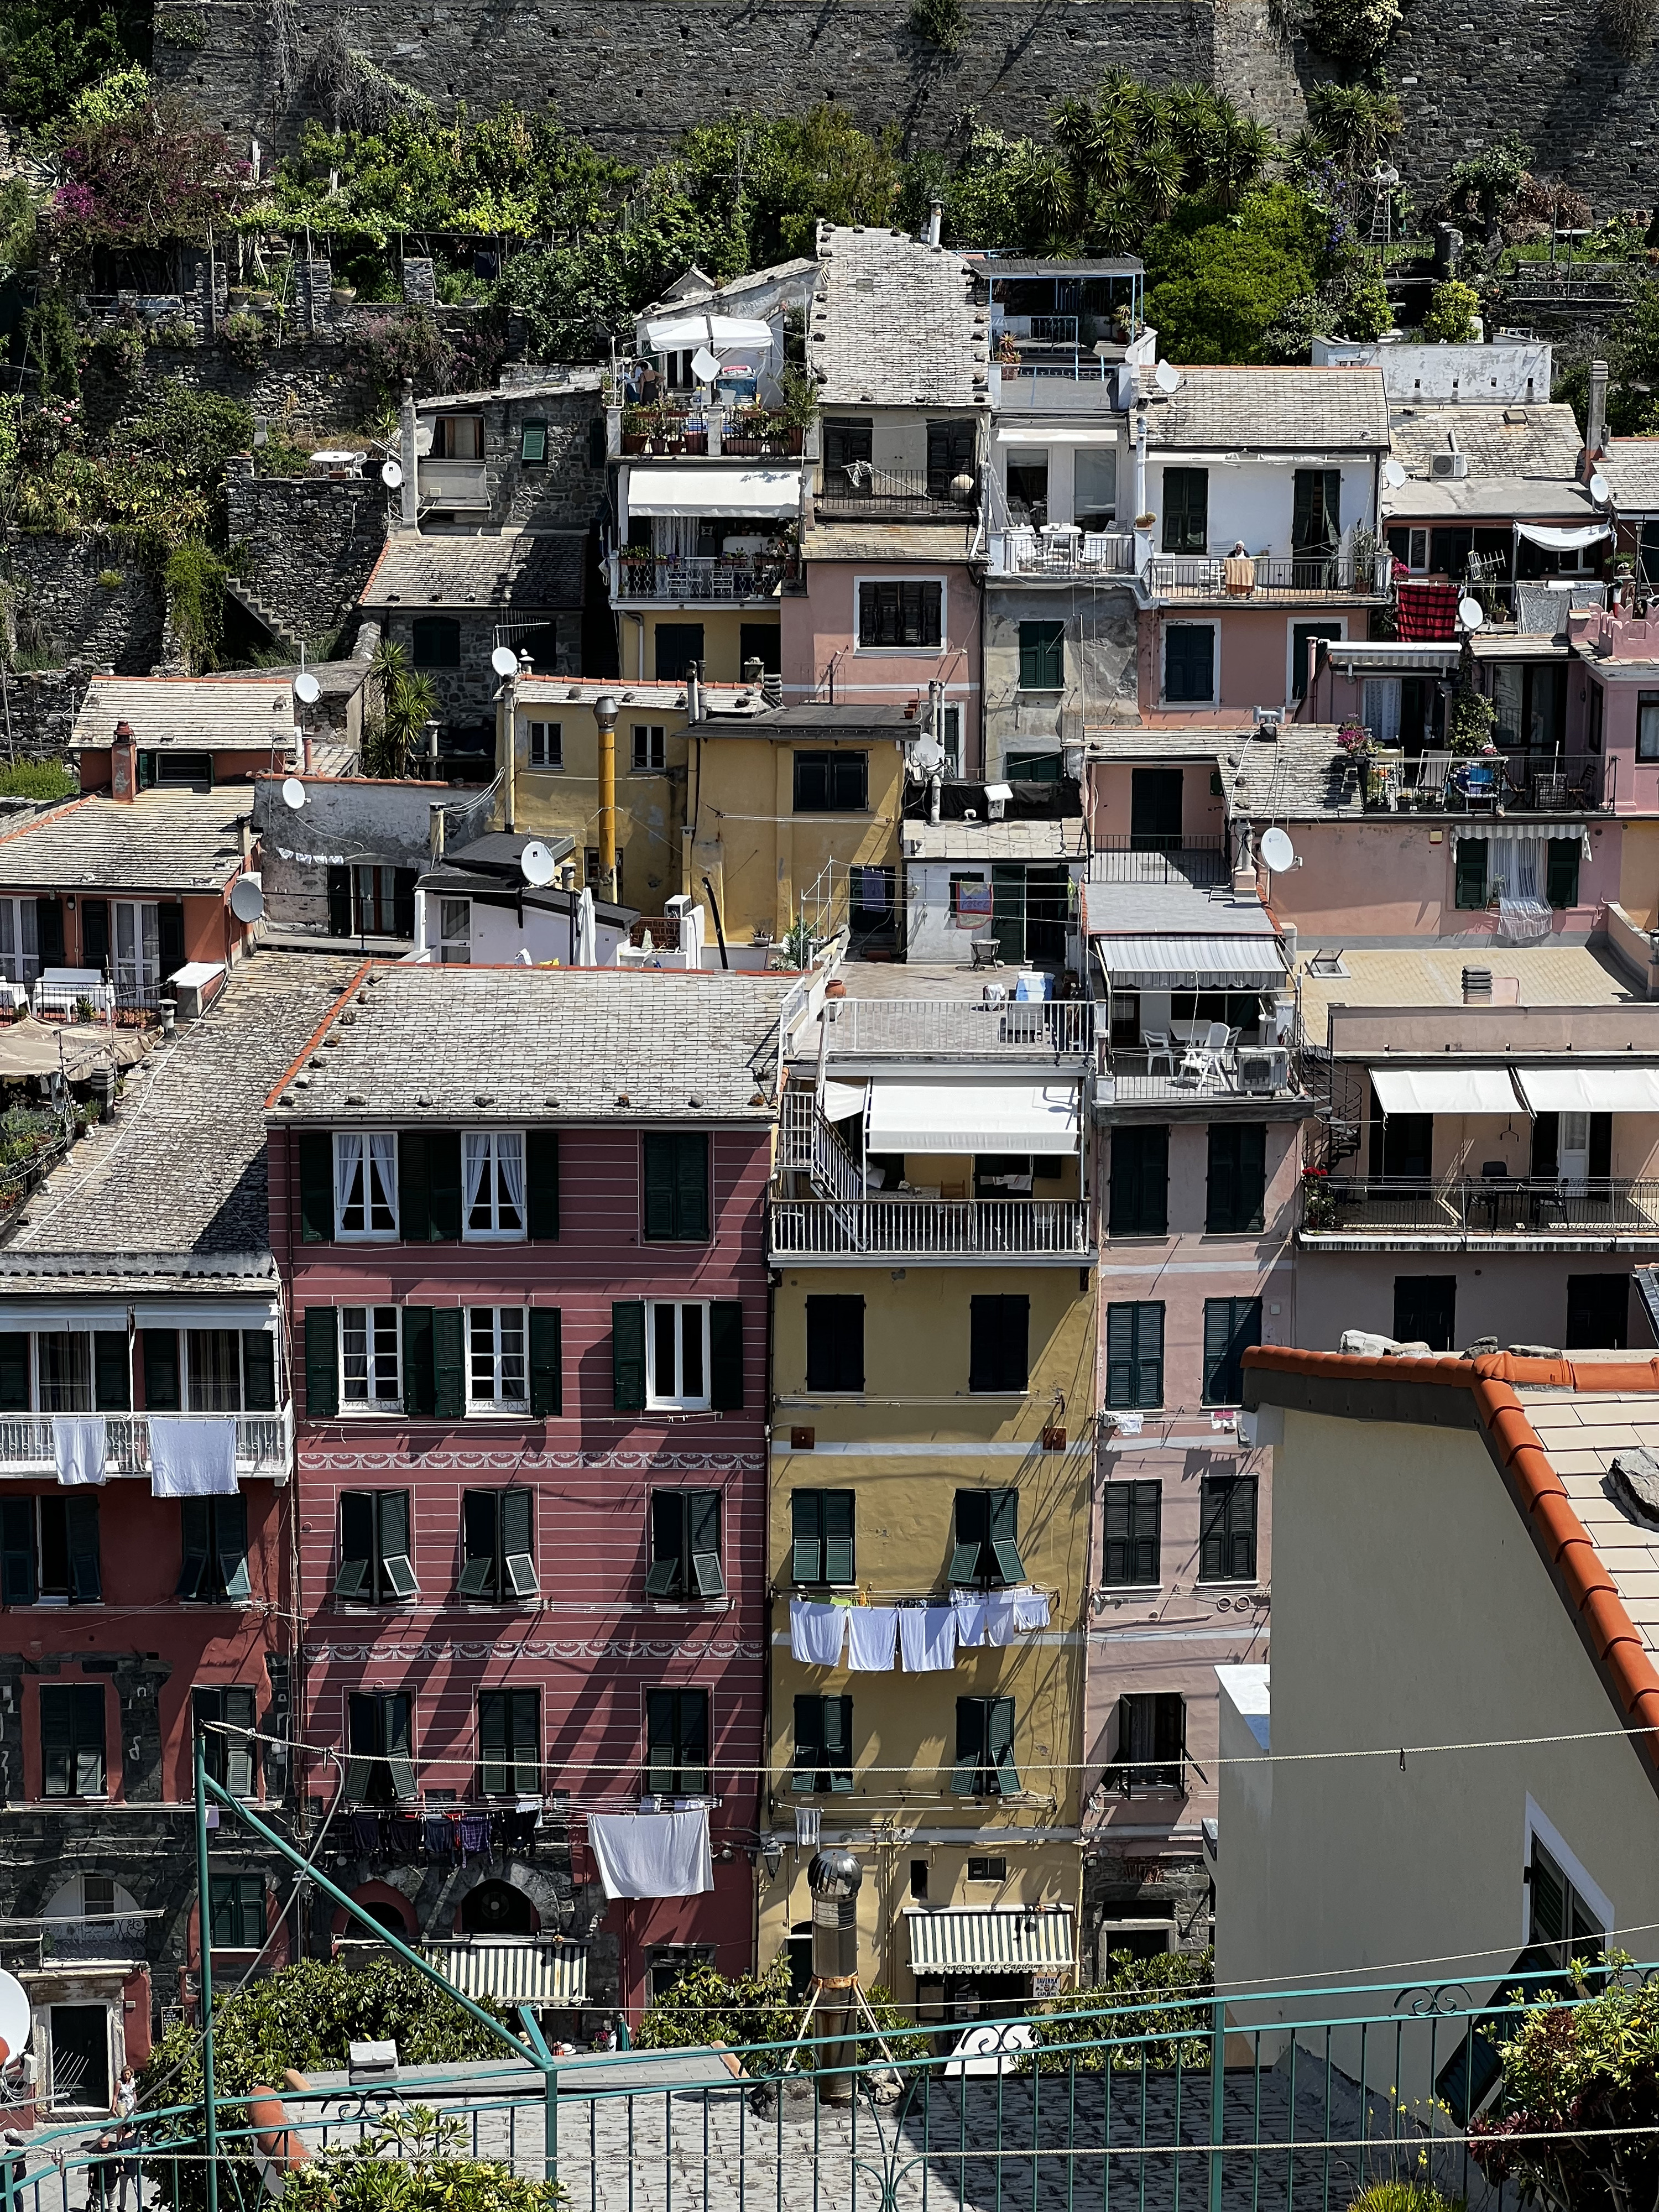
(27, 1441)
(714, 578)
(1120, 859)
(860, 489)
(454, 484)
(1273, 576)
(1059, 1028)
(1508, 1205)
(1029, 551)
(926, 1227)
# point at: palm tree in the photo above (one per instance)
(1044, 193)
(1238, 155)
(1357, 125)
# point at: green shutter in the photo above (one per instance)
(414, 1191)
(397, 1566)
(479, 1521)
(17, 1551)
(702, 1513)
(361, 1741)
(662, 1740)
(546, 1363)
(80, 1513)
(662, 1219)
(443, 1177)
(693, 1740)
(1121, 1332)
(492, 1742)
(196, 1538)
(525, 1768)
(322, 1365)
(258, 1371)
(1042, 656)
(448, 1363)
(628, 1355)
(809, 1744)
(1218, 1340)
(999, 1746)
(357, 1568)
(691, 1189)
(665, 1575)
(230, 1545)
(806, 1536)
(420, 1382)
(111, 1378)
(972, 1520)
(838, 1536)
(1212, 1533)
(726, 1355)
(1003, 1534)
(971, 1746)
(14, 1371)
(1471, 872)
(239, 1753)
(1116, 1530)
(838, 1742)
(57, 1740)
(518, 1543)
(541, 1173)
(399, 1745)
(161, 1350)
(316, 1149)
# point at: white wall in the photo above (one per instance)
(1509, 369)
(1256, 501)
(497, 938)
(931, 934)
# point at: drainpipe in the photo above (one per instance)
(507, 747)
(410, 491)
(1140, 460)
(935, 220)
(604, 714)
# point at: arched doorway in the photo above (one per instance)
(378, 1914)
(495, 1908)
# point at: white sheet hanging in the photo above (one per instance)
(652, 1854)
(80, 1448)
(192, 1458)
(1564, 541)
(817, 1632)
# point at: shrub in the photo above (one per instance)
(173, 330)
(414, 2161)
(938, 22)
(1470, 721)
(1365, 313)
(388, 350)
(195, 577)
(244, 336)
(1357, 33)
(120, 348)
(1214, 288)
(110, 580)
(1175, 1984)
(1452, 310)
(739, 2010)
(42, 780)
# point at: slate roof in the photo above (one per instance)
(546, 388)
(1272, 411)
(811, 718)
(1172, 910)
(1630, 466)
(1177, 743)
(181, 1170)
(536, 569)
(1302, 776)
(893, 322)
(1537, 440)
(486, 1045)
(197, 714)
(162, 841)
(996, 840)
(931, 542)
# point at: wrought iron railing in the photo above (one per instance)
(1037, 1029)
(860, 489)
(701, 578)
(1203, 576)
(931, 1228)
(27, 1441)
(1120, 859)
(1514, 1205)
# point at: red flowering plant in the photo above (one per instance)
(1318, 1198)
(153, 176)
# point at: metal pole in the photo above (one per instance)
(550, 2091)
(205, 1977)
(1218, 2089)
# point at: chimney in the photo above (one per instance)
(410, 490)
(693, 694)
(1477, 986)
(124, 764)
(935, 219)
(1595, 430)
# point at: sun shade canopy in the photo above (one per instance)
(1564, 541)
(963, 1941)
(769, 494)
(514, 1971)
(1589, 1089)
(1192, 963)
(1443, 1090)
(715, 331)
(972, 1117)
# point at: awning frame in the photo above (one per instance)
(975, 1127)
(739, 490)
(1010, 1940)
(1588, 1088)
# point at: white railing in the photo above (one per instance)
(811, 1146)
(1058, 1029)
(27, 1441)
(923, 1228)
(1025, 552)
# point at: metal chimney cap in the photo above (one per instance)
(835, 1873)
(605, 707)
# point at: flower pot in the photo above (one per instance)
(797, 441)
(633, 442)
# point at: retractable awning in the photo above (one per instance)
(840, 1101)
(972, 1117)
(770, 495)
(1589, 1089)
(72, 1314)
(514, 1972)
(1188, 964)
(679, 333)
(1443, 1090)
(1041, 434)
(964, 1941)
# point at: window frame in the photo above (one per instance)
(1225, 1490)
(1181, 543)
(213, 1586)
(527, 429)
(368, 1166)
(495, 1144)
(233, 1766)
(700, 1401)
(550, 736)
(231, 1896)
(390, 1578)
(650, 758)
(511, 1578)
(837, 1355)
(1235, 1178)
(1166, 630)
(818, 1766)
(1232, 1367)
(452, 942)
(922, 583)
(985, 1553)
(503, 1407)
(1137, 1361)
(684, 1697)
(1647, 741)
(81, 1697)
(1165, 1771)
(1463, 875)
(1042, 659)
(684, 1568)
(1143, 1499)
(675, 1183)
(381, 1763)
(427, 630)
(979, 1318)
(372, 1404)
(990, 1768)
(1332, 629)
(840, 765)
(810, 1545)
(506, 1776)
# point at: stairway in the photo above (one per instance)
(252, 605)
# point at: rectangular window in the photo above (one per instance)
(1231, 1326)
(498, 1549)
(1152, 1741)
(236, 1912)
(232, 1761)
(371, 1371)
(677, 1743)
(1598, 703)
(1227, 1529)
(1557, 1916)
(1316, 511)
(62, 1366)
(1042, 656)
(1132, 1532)
(835, 1344)
(532, 444)
(72, 1739)
(498, 1377)
(686, 1554)
(953, 450)
(1185, 510)
(821, 1523)
(213, 1366)
(985, 1749)
(1561, 871)
(436, 642)
(676, 1353)
(1135, 1354)
(994, 1867)
(454, 933)
(213, 1536)
(1470, 891)
(832, 783)
(1139, 1198)
(1189, 664)
(823, 1745)
(1425, 1310)
(985, 1550)
(1598, 1313)
(509, 1743)
(676, 1208)
(492, 1169)
(379, 1747)
(898, 615)
(1028, 487)
(999, 1337)
(1094, 486)
(137, 965)
(547, 745)
(676, 648)
(844, 444)
(365, 1184)
(19, 940)
(49, 1552)
(650, 748)
(375, 1566)
(1238, 1183)
(1647, 730)
(1303, 635)
(458, 438)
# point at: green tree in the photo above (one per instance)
(1214, 288)
(1354, 123)
(414, 2160)
(1154, 2007)
(49, 52)
(1453, 308)
(408, 704)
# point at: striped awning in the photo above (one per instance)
(515, 1969)
(964, 1941)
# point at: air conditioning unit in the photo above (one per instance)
(1444, 467)
(1264, 1067)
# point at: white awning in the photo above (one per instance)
(34, 1311)
(1502, 829)
(840, 1101)
(972, 1117)
(1589, 1089)
(1443, 1090)
(1564, 541)
(1189, 963)
(772, 494)
(515, 1969)
(1037, 434)
(963, 1940)
(678, 333)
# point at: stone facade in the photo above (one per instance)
(77, 615)
(1174, 1889)
(1101, 634)
(567, 491)
(311, 542)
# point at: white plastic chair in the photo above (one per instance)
(1158, 1046)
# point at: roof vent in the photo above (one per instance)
(1477, 984)
(1632, 1482)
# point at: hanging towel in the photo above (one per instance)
(999, 1622)
(927, 1638)
(82, 1446)
(365, 1834)
(871, 1638)
(440, 1840)
(817, 1632)
(192, 1459)
(1031, 1608)
(652, 1854)
(969, 1606)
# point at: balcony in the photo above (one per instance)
(966, 1029)
(1518, 1209)
(1034, 1229)
(1502, 782)
(453, 483)
(719, 580)
(1116, 859)
(860, 491)
(27, 1443)
(1062, 550)
(1270, 577)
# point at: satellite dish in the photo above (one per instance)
(1277, 851)
(1393, 473)
(504, 660)
(293, 793)
(247, 898)
(1600, 490)
(307, 690)
(14, 2018)
(1471, 613)
(1167, 379)
(704, 366)
(392, 474)
(537, 863)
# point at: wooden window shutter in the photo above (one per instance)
(999, 1746)
(693, 1740)
(395, 1712)
(160, 1355)
(239, 1762)
(49, 931)
(112, 1380)
(703, 1510)
(809, 1744)
(448, 1363)
(806, 1536)
(258, 1371)
(229, 1516)
(971, 1746)
(57, 1739)
(665, 1575)
(1470, 883)
(492, 1742)
(628, 1355)
(1004, 1532)
(973, 1524)
(691, 1189)
(838, 1742)
(479, 1521)
(519, 1543)
(1545, 1142)
(397, 1566)
(196, 1536)
(403, 902)
(354, 1577)
(414, 1194)
(660, 1216)
(525, 1727)
(1600, 1145)
(362, 1742)
(1213, 1533)
(339, 902)
(838, 1536)
(80, 1513)
(17, 1551)
(726, 1355)
(546, 1362)
(443, 1177)
(14, 1371)
(1117, 1516)
(662, 1739)
(316, 1151)
(322, 1365)
(541, 1169)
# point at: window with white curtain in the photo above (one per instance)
(370, 1374)
(492, 1162)
(366, 1184)
(1380, 711)
(497, 1377)
(137, 949)
(19, 940)
(63, 1370)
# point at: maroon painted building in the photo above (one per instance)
(520, 1214)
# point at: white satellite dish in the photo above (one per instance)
(307, 690)
(1471, 613)
(14, 2018)
(704, 365)
(504, 660)
(1277, 851)
(1600, 490)
(1393, 473)
(1167, 379)
(294, 791)
(927, 755)
(392, 474)
(537, 863)
(247, 898)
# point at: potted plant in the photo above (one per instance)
(1318, 1200)
(635, 428)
